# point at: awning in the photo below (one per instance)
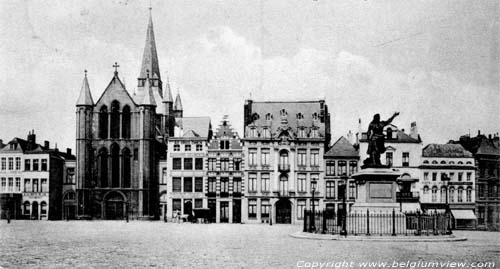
(463, 214)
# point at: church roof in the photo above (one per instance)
(85, 97)
(445, 150)
(167, 93)
(195, 126)
(178, 103)
(342, 148)
(150, 57)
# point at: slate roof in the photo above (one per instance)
(488, 147)
(196, 126)
(445, 150)
(85, 97)
(150, 56)
(342, 148)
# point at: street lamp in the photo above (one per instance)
(399, 181)
(313, 189)
(446, 180)
(343, 182)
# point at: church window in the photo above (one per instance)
(103, 122)
(126, 122)
(115, 120)
(103, 167)
(126, 167)
(115, 166)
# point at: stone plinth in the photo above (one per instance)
(377, 189)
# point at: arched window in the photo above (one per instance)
(460, 163)
(315, 116)
(103, 167)
(283, 159)
(451, 162)
(26, 208)
(469, 163)
(426, 162)
(269, 116)
(300, 116)
(283, 184)
(115, 120)
(126, 122)
(460, 195)
(43, 208)
(126, 168)
(443, 194)
(389, 133)
(469, 195)
(115, 166)
(434, 194)
(452, 195)
(103, 122)
(443, 162)
(434, 162)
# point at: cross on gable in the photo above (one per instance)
(116, 67)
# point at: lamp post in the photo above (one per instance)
(399, 181)
(313, 189)
(446, 179)
(343, 182)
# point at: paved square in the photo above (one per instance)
(101, 244)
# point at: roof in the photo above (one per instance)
(85, 97)
(150, 57)
(402, 137)
(342, 148)
(148, 99)
(398, 136)
(195, 126)
(167, 94)
(275, 109)
(116, 87)
(26, 148)
(178, 103)
(445, 150)
(488, 147)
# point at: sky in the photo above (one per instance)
(436, 62)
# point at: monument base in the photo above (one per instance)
(377, 189)
(375, 207)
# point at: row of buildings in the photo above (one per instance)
(137, 156)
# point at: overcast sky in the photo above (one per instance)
(437, 62)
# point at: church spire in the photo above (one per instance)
(85, 98)
(167, 96)
(150, 57)
(148, 99)
(178, 103)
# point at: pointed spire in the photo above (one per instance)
(148, 96)
(85, 98)
(167, 96)
(150, 57)
(178, 103)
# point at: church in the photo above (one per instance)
(120, 139)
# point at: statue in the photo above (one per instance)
(376, 139)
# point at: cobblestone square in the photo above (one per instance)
(105, 244)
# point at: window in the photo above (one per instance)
(301, 206)
(314, 157)
(188, 184)
(388, 158)
(389, 133)
(330, 168)
(198, 164)
(283, 185)
(314, 133)
(253, 132)
(252, 182)
(301, 157)
(452, 175)
(70, 176)
(177, 147)
(115, 120)
(460, 176)
(103, 122)
(43, 185)
(443, 195)
(224, 164)
(102, 158)
(188, 163)
(237, 185)
(198, 203)
(442, 176)
(283, 161)
(136, 154)
(224, 185)
(252, 208)
(199, 147)
(353, 167)
(115, 166)
(11, 184)
(212, 164)
(330, 189)
(18, 163)
(426, 176)
(314, 182)
(265, 157)
(301, 132)
(269, 116)
(460, 195)
(176, 205)
(4, 163)
(176, 163)
(434, 176)
(35, 164)
(434, 162)
(237, 164)
(452, 195)
(26, 208)
(352, 190)
(342, 168)
(252, 157)
(266, 133)
(198, 184)
(426, 162)
(4, 184)
(211, 184)
(11, 163)
(35, 185)
(469, 176)
(126, 122)
(163, 178)
(176, 184)
(187, 147)
(18, 184)
(469, 195)
(27, 164)
(434, 194)
(44, 164)
(265, 180)
(27, 184)
(264, 208)
(406, 159)
(301, 182)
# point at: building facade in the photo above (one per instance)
(182, 188)
(448, 179)
(341, 162)
(31, 179)
(120, 141)
(284, 144)
(225, 175)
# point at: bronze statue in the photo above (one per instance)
(376, 139)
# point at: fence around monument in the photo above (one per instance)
(376, 223)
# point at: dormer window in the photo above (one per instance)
(266, 133)
(269, 116)
(283, 113)
(301, 133)
(252, 132)
(389, 133)
(315, 116)
(255, 116)
(314, 133)
(300, 116)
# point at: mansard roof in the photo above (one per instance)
(445, 151)
(342, 148)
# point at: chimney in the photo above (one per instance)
(478, 132)
(46, 144)
(349, 136)
(489, 136)
(68, 151)
(414, 130)
(31, 140)
(358, 134)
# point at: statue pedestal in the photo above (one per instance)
(377, 189)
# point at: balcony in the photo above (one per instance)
(407, 197)
(283, 167)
